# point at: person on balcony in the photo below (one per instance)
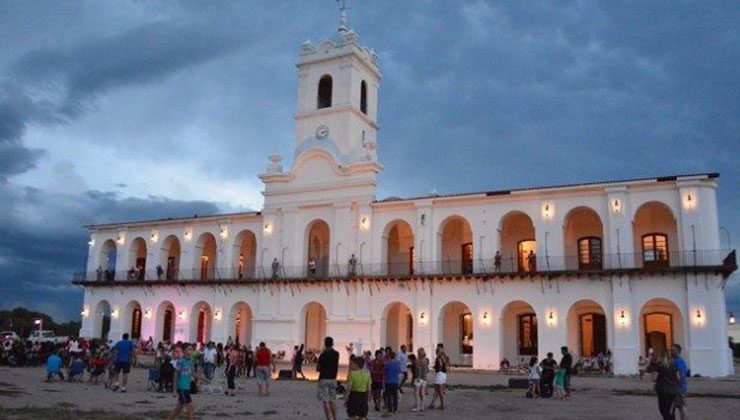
(497, 262)
(130, 273)
(352, 266)
(99, 273)
(160, 271)
(312, 267)
(275, 268)
(532, 261)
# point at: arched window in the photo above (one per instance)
(655, 250)
(325, 91)
(527, 334)
(363, 97)
(589, 253)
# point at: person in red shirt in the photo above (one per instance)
(263, 373)
(377, 371)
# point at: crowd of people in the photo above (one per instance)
(374, 379)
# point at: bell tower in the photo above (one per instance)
(338, 82)
(335, 158)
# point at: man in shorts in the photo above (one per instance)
(263, 373)
(327, 366)
(682, 370)
(125, 356)
(185, 372)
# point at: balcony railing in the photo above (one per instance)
(724, 260)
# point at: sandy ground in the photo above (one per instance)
(24, 394)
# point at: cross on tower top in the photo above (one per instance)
(343, 15)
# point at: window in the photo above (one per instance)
(466, 329)
(325, 92)
(467, 258)
(363, 97)
(528, 335)
(589, 253)
(136, 324)
(204, 268)
(655, 250)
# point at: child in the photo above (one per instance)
(358, 384)
(54, 366)
(560, 384)
(97, 366)
(534, 378)
(184, 379)
(166, 374)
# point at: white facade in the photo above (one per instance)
(617, 265)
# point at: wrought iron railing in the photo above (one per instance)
(495, 266)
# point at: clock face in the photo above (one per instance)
(322, 132)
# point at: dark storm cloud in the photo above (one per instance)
(501, 94)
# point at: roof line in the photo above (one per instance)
(174, 219)
(550, 187)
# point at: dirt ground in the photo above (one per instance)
(25, 395)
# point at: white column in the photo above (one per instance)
(626, 320)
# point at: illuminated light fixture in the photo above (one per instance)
(547, 211)
(114, 313)
(698, 313)
(364, 223)
(37, 322)
(617, 206)
(121, 238)
(224, 232)
(267, 228)
(551, 319)
(423, 318)
(485, 315)
(91, 242)
(689, 202)
(148, 313)
(731, 319)
(217, 314)
(85, 311)
(188, 234)
(154, 236)
(699, 317)
(423, 218)
(183, 314)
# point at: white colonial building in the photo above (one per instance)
(621, 266)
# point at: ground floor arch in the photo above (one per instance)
(164, 329)
(313, 329)
(201, 318)
(397, 326)
(661, 326)
(132, 320)
(587, 331)
(519, 331)
(101, 320)
(240, 323)
(456, 332)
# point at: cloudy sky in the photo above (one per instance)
(124, 110)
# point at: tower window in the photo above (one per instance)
(325, 90)
(363, 97)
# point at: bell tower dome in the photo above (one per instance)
(336, 125)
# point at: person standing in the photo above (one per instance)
(392, 376)
(376, 368)
(249, 361)
(534, 378)
(420, 382)
(666, 386)
(327, 366)
(403, 361)
(209, 360)
(184, 377)
(298, 363)
(441, 362)
(682, 370)
(263, 373)
(566, 363)
(231, 370)
(358, 385)
(547, 376)
(125, 355)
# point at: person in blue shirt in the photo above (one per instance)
(76, 368)
(54, 366)
(392, 376)
(683, 383)
(184, 378)
(125, 355)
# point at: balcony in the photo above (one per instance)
(720, 261)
